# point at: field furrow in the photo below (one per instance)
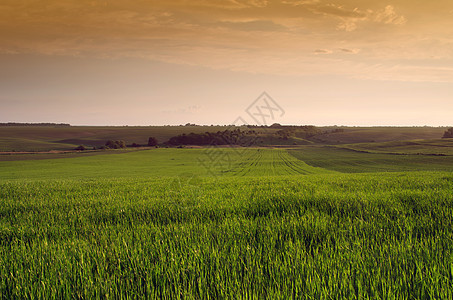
(272, 162)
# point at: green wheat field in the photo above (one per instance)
(301, 223)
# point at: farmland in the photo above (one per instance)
(42, 138)
(239, 149)
(261, 223)
(346, 160)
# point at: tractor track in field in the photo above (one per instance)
(272, 162)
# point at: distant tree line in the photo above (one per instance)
(36, 124)
(247, 137)
(226, 137)
(119, 144)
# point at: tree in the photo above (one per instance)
(152, 141)
(80, 148)
(448, 134)
(111, 144)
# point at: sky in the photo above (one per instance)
(149, 62)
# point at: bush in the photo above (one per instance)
(80, 148)
(448, 134)
(115, 144)
(152, 141)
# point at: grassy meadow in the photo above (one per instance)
(260, 223)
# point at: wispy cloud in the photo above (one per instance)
(323, 51)
(255, 25)
(388, 15)
(256, 35)
(351, 51)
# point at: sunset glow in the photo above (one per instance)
(146, 62)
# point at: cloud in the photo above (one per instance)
(300, 2)
(256, 25)
(339, 50)
(340, 11)
(348, 25)
(323, 51)
(406, 72)
(279, 37)
(258, 3)
(352, 51)
(389, 16)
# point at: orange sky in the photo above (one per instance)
(168, 62)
